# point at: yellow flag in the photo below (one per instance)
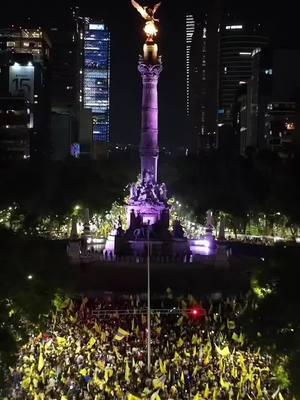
(206, 392)
(41, 362)
(194, 351)
(179, 322)
(61, 341)
(26, 382)
(155, 396)
(162, 367)
(207, 359)
(158, 383)
(133, 397)
(83, 372)
(197, 397)
(194, 339)
(121, 334)
(180, 342)
(223, 352)
(258, 388)
(100, 364)
(236, 337)
(182, 377)
(91, 342)
(225, 385)
(234, 373)
(158, 330)
(215, 394)
(127, 373)
(106, 375)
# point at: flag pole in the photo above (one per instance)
(148, 304)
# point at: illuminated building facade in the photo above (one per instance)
(189, 32)
(14, 128)
(237, 42)
(24, 74)
(202, 59)
(94, 92)
(267, 113)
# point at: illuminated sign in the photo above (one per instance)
(21, 81)
(96, 27)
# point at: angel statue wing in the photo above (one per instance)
(140, 9)
(156, 7)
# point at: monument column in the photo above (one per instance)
(150, 68)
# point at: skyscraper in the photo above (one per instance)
(94, 75)
(268, 111)
(189, 32)
(24, 70)
(202, 51)
(64, 96)
(238, 40)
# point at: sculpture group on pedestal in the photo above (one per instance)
(148, 191)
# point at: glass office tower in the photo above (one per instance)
(96, 77)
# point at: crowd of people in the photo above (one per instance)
(97, 349)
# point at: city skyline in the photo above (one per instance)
(126, 36)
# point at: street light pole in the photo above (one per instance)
(148, 305)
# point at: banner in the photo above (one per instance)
(21, 81)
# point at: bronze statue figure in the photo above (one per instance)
(146, 12)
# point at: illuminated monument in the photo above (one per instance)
(147, 208)
(147, 205)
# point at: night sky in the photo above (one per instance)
(127, 38)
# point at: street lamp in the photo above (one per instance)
(148, 303)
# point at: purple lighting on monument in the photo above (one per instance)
(148, 198)
(149, 129)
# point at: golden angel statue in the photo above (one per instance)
(148, 14)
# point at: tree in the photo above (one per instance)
(32, 271)
(274, 323)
